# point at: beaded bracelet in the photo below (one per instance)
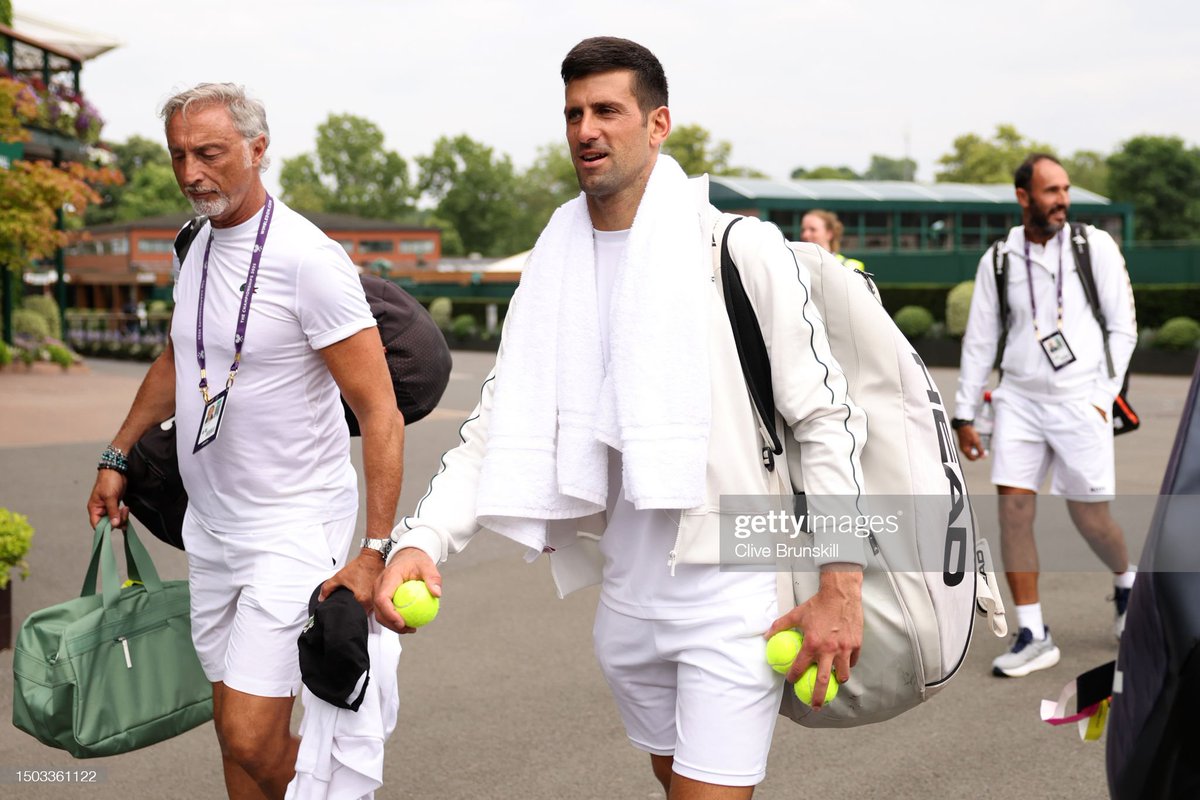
(112, 458)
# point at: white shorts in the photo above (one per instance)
(249, 598)
(699, 690)
(1031, 436)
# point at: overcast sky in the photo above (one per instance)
(804, 82)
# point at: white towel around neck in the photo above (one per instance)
(558, 406)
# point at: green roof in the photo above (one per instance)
(726, 190)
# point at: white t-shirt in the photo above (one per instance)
(637, 580)
(283, 450)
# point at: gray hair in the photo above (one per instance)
(248, 114)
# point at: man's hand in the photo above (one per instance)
(105, 500)
(969, 443)
(832, 624)
(409, 564)
(359, 577)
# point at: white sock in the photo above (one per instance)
(1125, 579)
(1030, 616)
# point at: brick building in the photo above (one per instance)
(120, 264)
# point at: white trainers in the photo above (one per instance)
(1026, 656)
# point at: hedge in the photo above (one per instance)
(1155, 303)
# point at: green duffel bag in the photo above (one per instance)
(108, 673)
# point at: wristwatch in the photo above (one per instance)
(961, 423)
(382, 546)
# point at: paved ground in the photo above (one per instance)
(501, 698)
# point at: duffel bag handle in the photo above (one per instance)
(140, 565)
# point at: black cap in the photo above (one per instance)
(333, 649)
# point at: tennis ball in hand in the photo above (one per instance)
(808, 682)
(782, 649)
(413, 601)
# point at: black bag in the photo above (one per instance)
(1124, 418)
(155, 493)
(1150, 749)
(416, 351)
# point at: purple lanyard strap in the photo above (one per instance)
(239, 337)
(1058, 286)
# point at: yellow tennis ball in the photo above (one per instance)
(808, 682)
(413, 601)
(782, 649)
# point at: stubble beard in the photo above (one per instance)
(1040, 220)
(214, 207)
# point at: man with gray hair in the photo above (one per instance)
(265, 298)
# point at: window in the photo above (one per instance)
(347, 245)
(376, 246)
(416, 247)
(155, 245)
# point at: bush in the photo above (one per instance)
(464, 326)
(958, 308)
(441, 309)
(30, 323)
(60, 355)
(47, 308)
(6, 354)
(158, 307)
(1178, 333)
(914, 321)
(16, 536)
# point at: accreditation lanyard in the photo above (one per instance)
(1054, 345)
(1058, 286)
(239, 336)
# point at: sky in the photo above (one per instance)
(787, 82)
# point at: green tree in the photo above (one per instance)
(152, 190)
(1160, 176)
(549, 182)
(883, 168)
(350, 173)
(825, 173)
(693, 147)
(978, 160)
(131, 157)
(1088, 170)
(476, 192)
(6, 12)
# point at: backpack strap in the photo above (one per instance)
(187, 234)
(752, 350)
(1083, 260)
(1000, 271)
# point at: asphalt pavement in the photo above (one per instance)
(501, 696)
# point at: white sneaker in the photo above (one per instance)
(1026, 656)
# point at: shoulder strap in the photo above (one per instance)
(1083, 260)
(1000, 271)
(187, 234)
(752, 350)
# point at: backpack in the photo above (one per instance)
(1124, 418)
(417, 358)
(918, 613)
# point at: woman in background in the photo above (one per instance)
(824, 228)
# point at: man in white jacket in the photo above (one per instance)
(1053, 404)
(617, 407)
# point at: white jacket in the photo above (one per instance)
(810, 397)
(1027, 370)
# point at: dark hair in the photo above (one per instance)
(608, 53)
(1024, 174)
